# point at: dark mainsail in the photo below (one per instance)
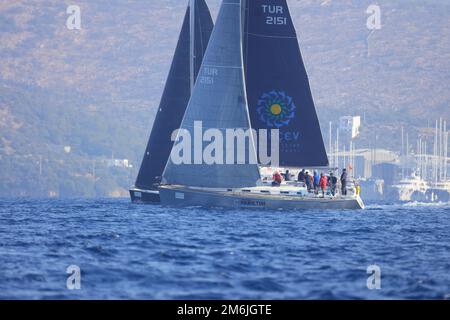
(175, 97)
(278, 91)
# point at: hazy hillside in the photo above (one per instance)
(96, 89)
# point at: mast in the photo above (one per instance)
(352, 164)
(407, 154)
(330, 146)
(402, 159)
(419, 156)
(425, 146)
(192, 43)
(344, 150)
(440, 151)
(445, 150)
(435, 160)
(337, 147)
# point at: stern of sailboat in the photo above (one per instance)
(144, 196)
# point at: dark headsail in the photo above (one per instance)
(278, 91)
(175, 97)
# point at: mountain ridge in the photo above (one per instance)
(97, 89)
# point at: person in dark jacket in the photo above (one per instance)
(301, 176)
(344, 182)
(308, 181)
(333, 183)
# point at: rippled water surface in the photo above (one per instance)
(128, 251)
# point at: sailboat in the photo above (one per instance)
(252, 77)
(192, 44)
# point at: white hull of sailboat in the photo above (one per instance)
(182, 196)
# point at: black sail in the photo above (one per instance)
(175, 98)
(278, 90)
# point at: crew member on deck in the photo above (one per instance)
(308, 181)
(277, 179)
(301, 176)
(316, 181)
(287, 176)
(333, 183)
(323, 183)
(344, 182)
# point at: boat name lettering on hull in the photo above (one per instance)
(252, 203)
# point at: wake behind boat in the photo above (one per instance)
(275, 81)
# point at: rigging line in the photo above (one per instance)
(231, 3)
(225, 67)
(201, 33)
(246, 34)
(268, 36)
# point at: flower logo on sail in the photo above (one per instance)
(276, 109)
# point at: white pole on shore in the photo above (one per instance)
(445, 150)
(330, 145)
(435, 154)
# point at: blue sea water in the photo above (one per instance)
(129, 251)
